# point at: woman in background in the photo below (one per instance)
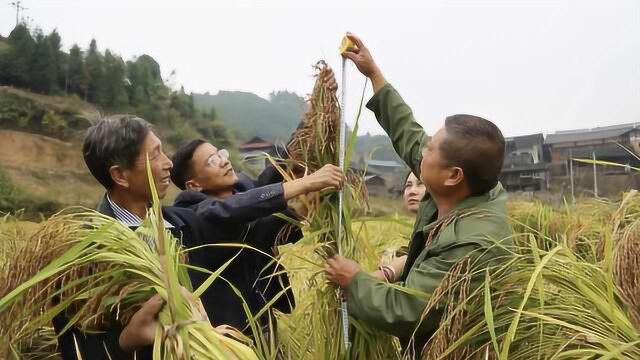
(414, 191)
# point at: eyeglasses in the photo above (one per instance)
(215, 159)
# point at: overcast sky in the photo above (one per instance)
(529, 66)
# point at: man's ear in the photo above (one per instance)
(456, 175)
(119, 176)
(193, 185)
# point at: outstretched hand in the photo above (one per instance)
(361, 56)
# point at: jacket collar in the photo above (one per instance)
(497, 194)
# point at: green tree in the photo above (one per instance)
(57, 59)
(144, 80)
(182, 103)
(214, 130)
(15, 61)
(43, 74)
(134, 88)
(6, 62)
(147, 92)
(95, 69)
(77, 75)
(220, 135)
(115, 95)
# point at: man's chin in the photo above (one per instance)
(162, 190)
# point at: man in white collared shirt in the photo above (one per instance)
(115, 151)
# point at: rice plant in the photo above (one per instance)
(303, 333)
(555, 301)
(568, 290)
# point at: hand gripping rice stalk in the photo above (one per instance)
(313, 145)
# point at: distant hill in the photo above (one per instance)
(62, 117)
(376, 147)
(248, 115)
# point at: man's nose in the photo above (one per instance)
(223, 162)
(168, 164)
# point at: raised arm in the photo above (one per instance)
(393, 114)
(266, 200)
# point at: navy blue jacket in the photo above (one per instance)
(245, 217)
(189, 228)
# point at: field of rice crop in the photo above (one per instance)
(569, 291)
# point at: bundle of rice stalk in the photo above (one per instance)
(107, 270)
(539, 304)
(626, 269)
(581, 227)
(40, 345)
(315, 143)
(26, 248)
(312, 146)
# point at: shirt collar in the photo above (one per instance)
(128, 218)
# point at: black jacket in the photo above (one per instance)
(189, 228)
(245, 217)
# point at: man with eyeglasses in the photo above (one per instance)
(238, 209)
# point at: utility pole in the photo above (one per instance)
(18, 5)
(595, 174)
(66, 79)
(573, 194)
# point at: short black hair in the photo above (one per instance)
(182, 166)
(406, 177)
(477, 146)
(113, 140)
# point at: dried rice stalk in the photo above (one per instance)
(453, 290)
(626, 270)
(26, 249)
(314, 144)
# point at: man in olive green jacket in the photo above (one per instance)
(462, 217)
